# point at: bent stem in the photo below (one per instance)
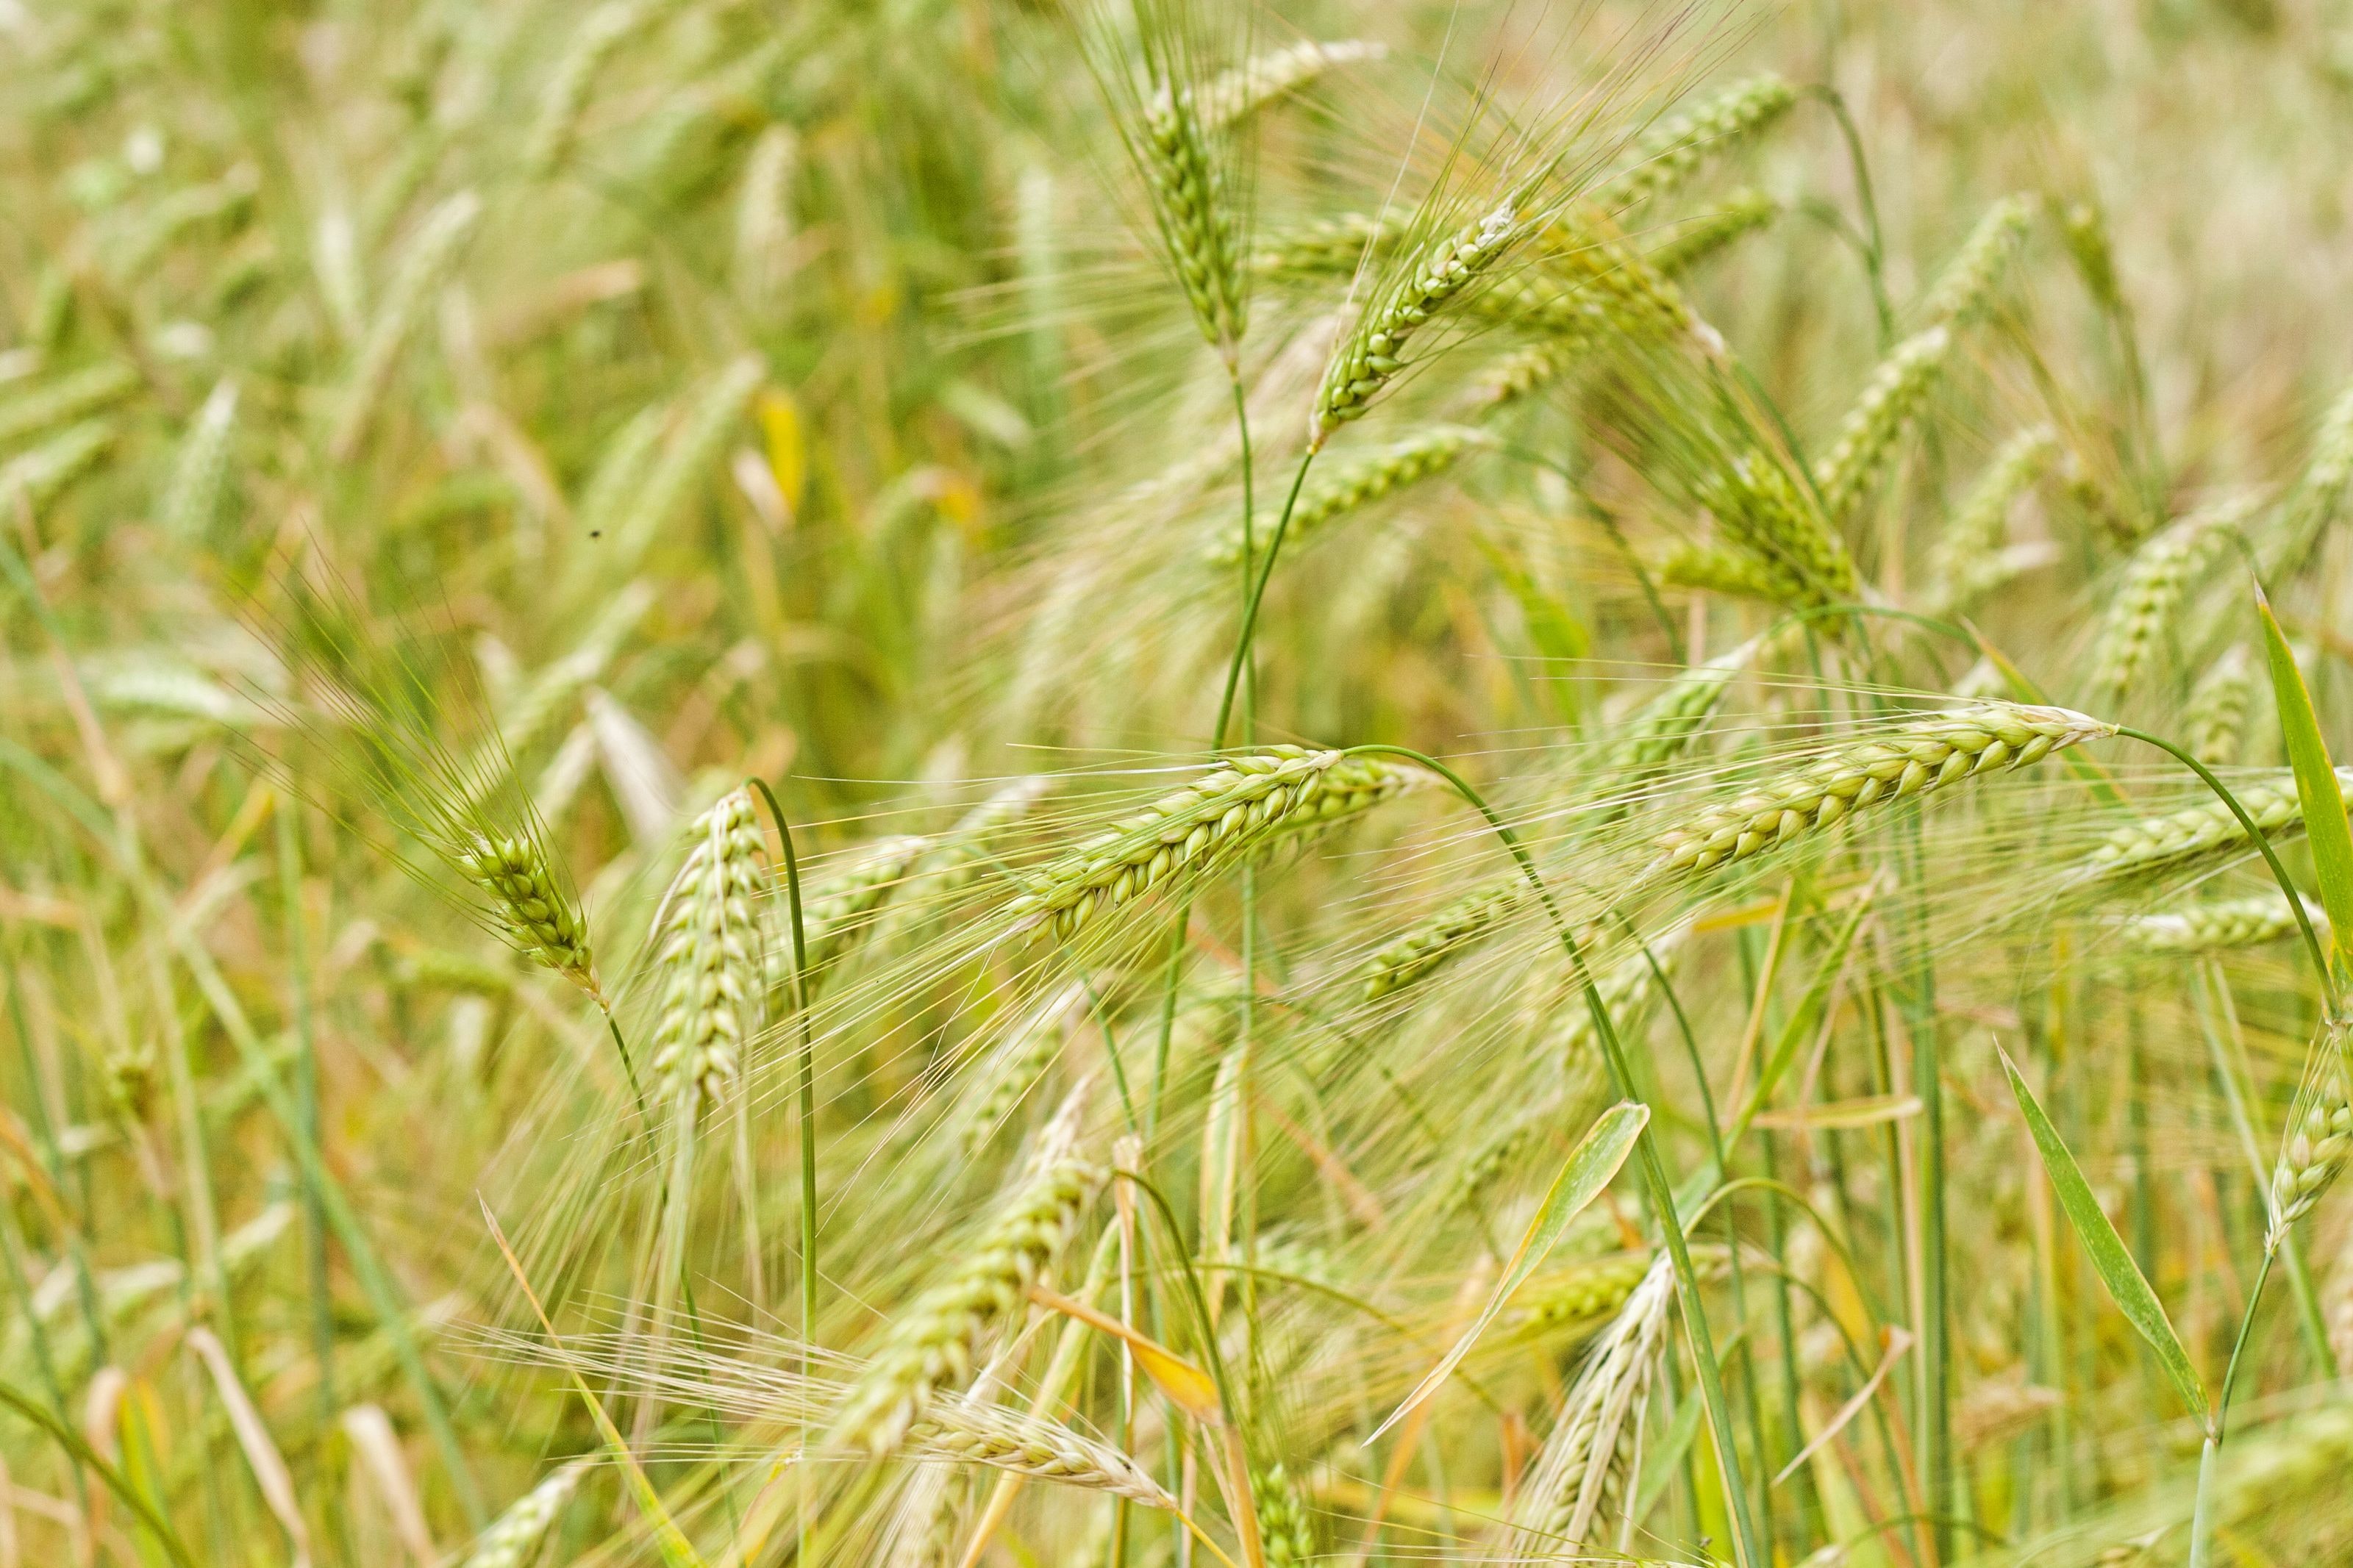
(807, 1125)
(1752, 1552)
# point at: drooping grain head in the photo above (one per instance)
(1968, 561)
(1422, 949)
(931, 1347)
(1586, 1470)
(528, 904)
(1891, 400)
(1915, 759)
(2216, 926)
(2214, 725)
(2198, 835)
(1374, 350)
(2156, 579)
(1965, 289)
(1245, 804)
(1675, 148)
(1364, 479)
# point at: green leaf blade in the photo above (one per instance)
(2316, 781)
(1591, 1167)
(2127, 1287)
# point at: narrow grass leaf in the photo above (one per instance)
(2315, 782)
(2126, 1288)
(1588, 1168)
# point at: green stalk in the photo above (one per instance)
(2201, 1519)
(1654, 1170)
(2230, 1069)
(807, 1107)
(1257, 593)
(306, 1105)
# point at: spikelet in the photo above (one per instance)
(1434, 942)
(2155, 580)
(528, 903)
(2319, 1137)
(2202, 833)
(1285, 1528)
(1657, 733)
(1969, 562)
(841, 910)
(1244, 804)
(1917, 758)
(1762, 509)
(1249, 87)
(1696, 240)
(514, 1536)
(931, 1347)
(1675, 148)
(1017, 1066)
(553, 133)
(424, 266)
(1372, 352)
(200, 469)
(1331, 247)
(708, 938)
(36, 478)
(2084, 230)
(2215, 927)
(1523, 372)
(73, 397)
(930, 1511)
(1966, 288)
(1600, 285)
(1359, 481)
(1739, 576)
(1193, 205)
(965, 1431)
(1577, 1294)
(2214, 725)
(1586, 1469)
(1891, 400)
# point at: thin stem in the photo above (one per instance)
(1874, 253)
(808, 1129)
(1654, 1170)
(1250, 611)
(306, 1105)
(2201, 1519)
